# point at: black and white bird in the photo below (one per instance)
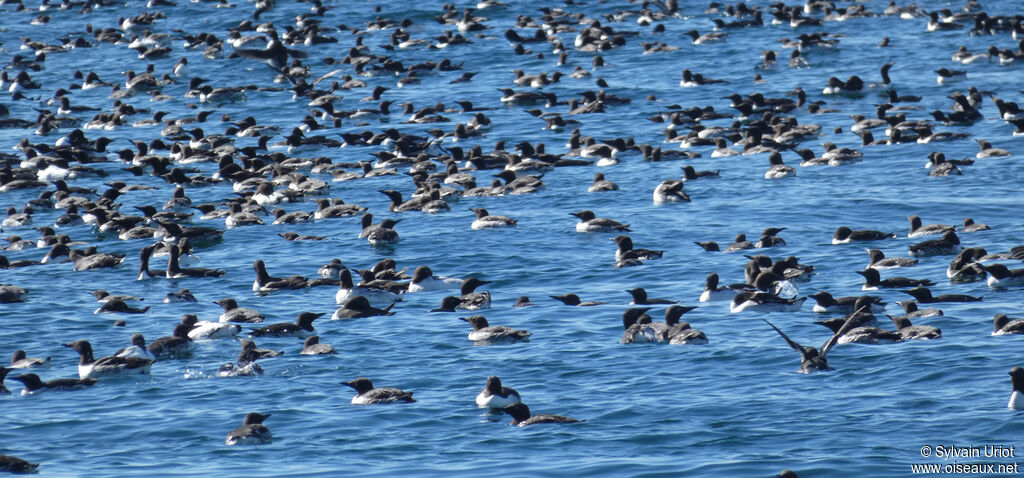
(1003, 325)
(366, 394)
(873, 281)
(777, 169)
(909, 331)
(826, 303)
(640, 298)
(637, 327)
(626, 252)
(812, 359)
(602, 184)
(521, 416)
(879, 261)
(206, 330)
(252, 431)
(176, 345)
(470, 298)
(301, 328)
(486, 333)
(359, 307)
(670, 190)
(845, 235)
(680, 332)
(1002, 277)
(136, 349)
(496, 396)
(757, 300)
(423, 279)
(19, 359)
(233, 313)
(485, 220)
(112, 366)
(924, 296)
(312, 346)
(589, 222)
(275, 54)
(919, 229)
(913, 312)
(33, 384)
(864, 330)
(965, 268)
(574, 300)
(948, 245)
(250, 353)
(715, 292)
(1017, 396)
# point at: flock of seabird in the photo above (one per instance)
(284, 165)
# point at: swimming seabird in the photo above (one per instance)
(176, 345)
(714, 292)
(20, 360)
(574, 300)
(873, 281)
(175, 271)
(1003, 325)
(470, 299)
(485, 220)
(205, 330)
(119, 306)
(266, 283)
(879, 261)
(589, 222)
(234, 313)
(136, 349)
(842, 305)
(949, 244)
(1001, 277)
(680, 333)
(1017, 396)
(670, 190)
(863, 330)
(918, 229)
(521, 416)
(637, 326)
(764, 301)
(33, 384)
(89, 367)
(909, 331)
(13, 464)
(496, 396)
(312, 346)
(302, 327)
(250, 353)
(845, 235)
(602, 184)
(366, 394)
(626, 251)
(970, 226)
(777, 169)
(182, 295)
(924, 296)
(252, 431)
(640, 298)
(913, 312)
(359, 307)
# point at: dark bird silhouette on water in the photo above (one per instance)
(811, 359)
(274, 55)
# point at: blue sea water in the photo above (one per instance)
(733, 407)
